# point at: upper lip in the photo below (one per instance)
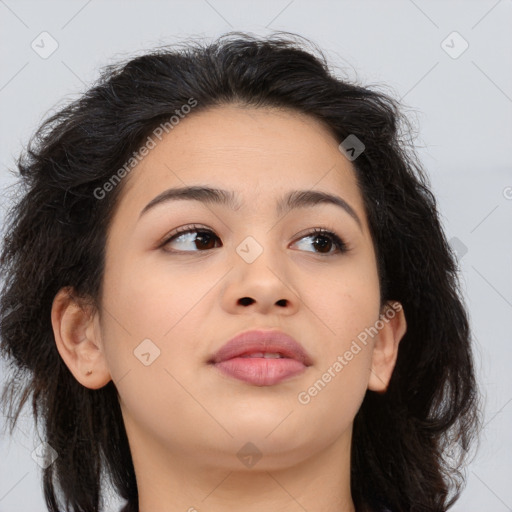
(260, 340)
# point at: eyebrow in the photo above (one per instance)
(294, 199)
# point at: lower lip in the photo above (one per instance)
(261, 371)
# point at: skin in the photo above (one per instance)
(185, 420)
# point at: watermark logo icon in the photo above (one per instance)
(454, 45)
(351, 147)
(146, 352)
(44, 45)
(249, 455)
(44, 455)
(458, 246)
(249, 249)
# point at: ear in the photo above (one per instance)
(392, 327)
(77, 336)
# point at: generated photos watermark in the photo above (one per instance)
(150, 143)
(304, 397)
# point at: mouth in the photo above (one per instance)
(261, 358)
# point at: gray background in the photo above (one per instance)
(462, 105)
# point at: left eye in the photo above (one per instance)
(204, 239)
(331, 238)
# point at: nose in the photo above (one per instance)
(260, 283)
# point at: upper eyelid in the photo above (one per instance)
(194, 227)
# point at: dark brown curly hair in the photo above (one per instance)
(409, 443)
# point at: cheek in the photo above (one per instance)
(345, 359)
(150, 298)
(346, 308)
(347, 300)
(141, 329)
(334, 391)
(149, 308)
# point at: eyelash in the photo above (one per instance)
(340, 245)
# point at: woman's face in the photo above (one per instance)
(167, 307)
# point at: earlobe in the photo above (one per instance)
(77, 337)
(393, 326)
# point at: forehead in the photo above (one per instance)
(259, 153)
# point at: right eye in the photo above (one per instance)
(192, 236)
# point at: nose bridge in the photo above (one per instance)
(257, 236)
(260, 272)
(260, 254)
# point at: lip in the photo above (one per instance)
(261, 371)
